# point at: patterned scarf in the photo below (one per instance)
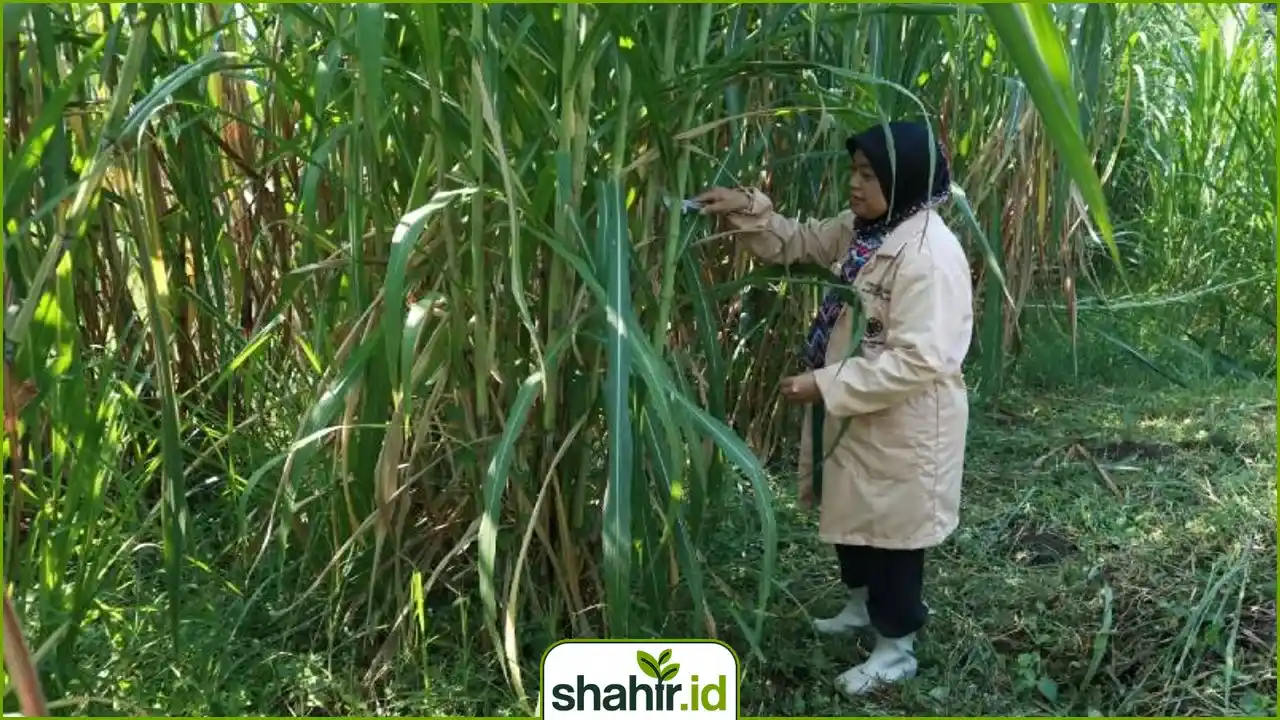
(866, 241)
(868, 237)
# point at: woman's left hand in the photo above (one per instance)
(801, 389)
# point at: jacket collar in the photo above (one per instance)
(913, 228)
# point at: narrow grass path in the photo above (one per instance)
(1117, 555)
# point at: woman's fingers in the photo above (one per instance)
(719, 200)
(798, 388)
(712, 201)
(704, 196)
(712, 194)
(805, 494)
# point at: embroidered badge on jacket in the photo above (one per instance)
(874, 328)
(878, 291)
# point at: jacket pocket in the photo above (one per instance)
(905, 438)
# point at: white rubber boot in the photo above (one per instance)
(892, 660)
(854, 616)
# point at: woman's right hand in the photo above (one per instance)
(722, 201)
(804, 493)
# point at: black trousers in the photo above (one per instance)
(894, 580)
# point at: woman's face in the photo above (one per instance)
(866, 199)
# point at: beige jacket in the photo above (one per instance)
(892, 480)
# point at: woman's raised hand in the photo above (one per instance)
(721, 201)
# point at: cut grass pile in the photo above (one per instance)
(1117, 556)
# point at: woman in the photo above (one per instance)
(893, 410)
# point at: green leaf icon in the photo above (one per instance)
(648, 665)
(655, 668)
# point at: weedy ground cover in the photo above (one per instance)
(1117, 556)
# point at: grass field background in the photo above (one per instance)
(354, 354)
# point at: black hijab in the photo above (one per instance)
(913, 175)
(904, 158)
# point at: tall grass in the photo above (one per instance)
(396, 301)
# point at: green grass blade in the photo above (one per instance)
(611, 233)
